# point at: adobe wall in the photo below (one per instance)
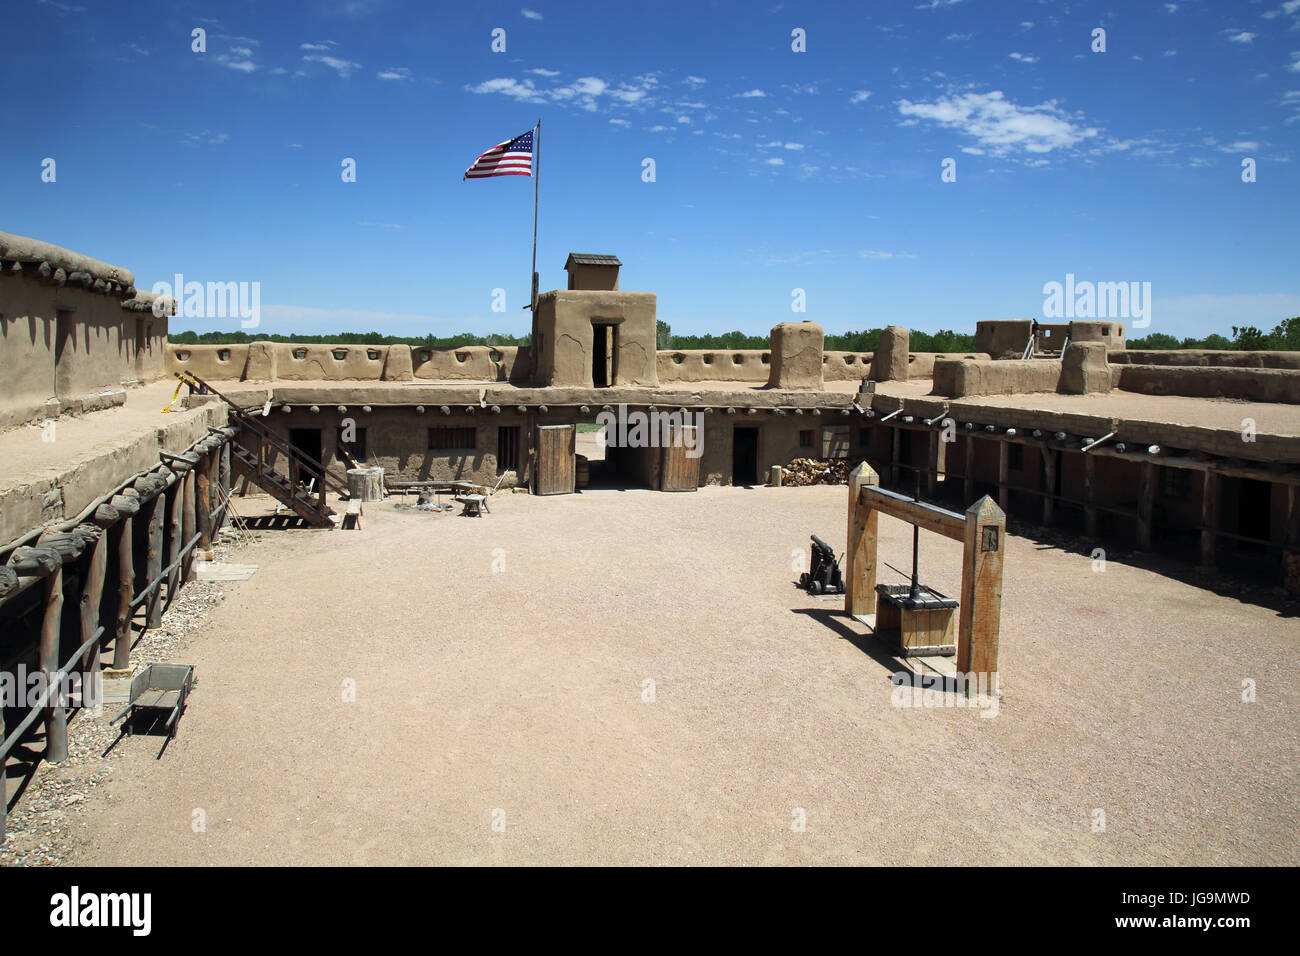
(1251, 384)
(1110, 333)
(1208, 358)
(1003, 338)
(958, 377)
(796, 356)
(286, 361)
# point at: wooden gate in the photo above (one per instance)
(554, 473)
(679, 472)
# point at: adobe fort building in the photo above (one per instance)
(1192, 453)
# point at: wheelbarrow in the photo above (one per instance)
(157, 692)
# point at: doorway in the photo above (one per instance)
(744, 455)
(603, 352)
(1254, 499)
(307, 441)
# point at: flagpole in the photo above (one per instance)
(537, 176)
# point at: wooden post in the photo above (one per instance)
(128, 506)
(1291, 540)
(860, 560)
(1004, 461)
(203, 504)
(968, 485)
(153, 558)
(175, 530)
(932, 461)
(896, 445)
(92, 591)
(214, 492)
(56, 721)
(1145, 503)
(1049, 483)
(1210, 495)
(1089, 495)
(981, 593)
(187, 524)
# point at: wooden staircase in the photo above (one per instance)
(304, 485)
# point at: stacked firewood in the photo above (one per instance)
(816, 471)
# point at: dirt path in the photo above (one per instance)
(515, 696)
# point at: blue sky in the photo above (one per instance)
(774, 169)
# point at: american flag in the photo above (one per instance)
(514, 157)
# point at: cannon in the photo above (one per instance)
(823, 576)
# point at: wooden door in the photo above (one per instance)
(680, 471)
(555, 463)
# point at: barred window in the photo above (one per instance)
(443, 438)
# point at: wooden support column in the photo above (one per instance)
(56, 720)
(1210, 495)
(932, 459)
(1291, 540)
(1049, 483)
(1089, 495)
(214, 492)
(896, 441)
(188, 525)
(981, 593)
(153, 558)
(92, 591)
(860, 559)
(1004, 461)
(1145, 503)
(175, 526)
(128, 506)
(203, 503)
(968, 485)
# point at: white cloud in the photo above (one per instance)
(695, 82)
(344, 68)
(394, 73)
(542, 71)
(531, 14)
(1171, 7)
(1000, 125)
(776, 161)
(615, 121)
(1023, 57)
(959, 36)
(321, 46)
(750, 94)
(1171, 53)
(1294, 66)
(879, 254)
(1243, 37)
(1241, 146)
(860, 96)
(937, 4)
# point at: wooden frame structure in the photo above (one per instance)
(983, 533)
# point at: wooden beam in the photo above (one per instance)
(203, 501)
(968, 485)
(92, 593)
(863, 540)
(1004, 464)
(932, 474)
(1049, 482)
(1090, 495)
(895, 446)
(175, 525)
(188, 519)
(1210, 494)
(981, 593)
(1145, 504)
(925, 516)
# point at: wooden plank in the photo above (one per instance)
(862, 543)
(154, 558)
(91, 593)
(556, 468)
(125, 588)
(925, 516)
(981, 592)
(188, 523)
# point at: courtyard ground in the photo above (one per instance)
(503, 711)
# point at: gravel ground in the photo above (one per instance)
(438, 690)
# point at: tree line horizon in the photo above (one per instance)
(1285, 336)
